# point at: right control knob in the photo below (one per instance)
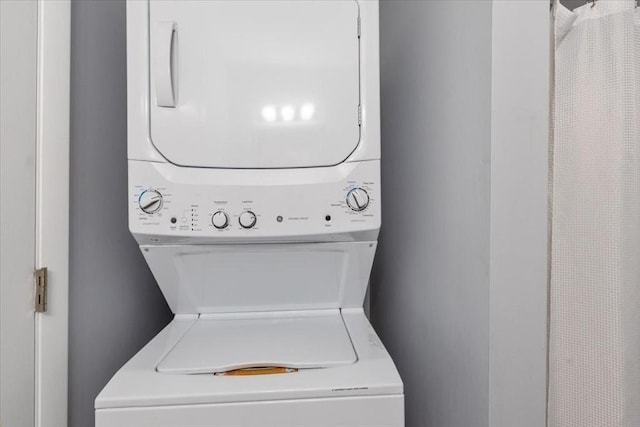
(247, 219)
(358, 199)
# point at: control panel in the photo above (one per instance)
(344, 201)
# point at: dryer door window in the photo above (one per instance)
(254, 84)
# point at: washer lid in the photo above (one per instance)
(224, 342)
(254, 84)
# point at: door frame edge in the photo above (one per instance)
(52, 209)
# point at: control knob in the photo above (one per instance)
(220, 220)
(150, 201)
(358, 199)
(247, 219)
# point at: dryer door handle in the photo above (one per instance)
(162, 63)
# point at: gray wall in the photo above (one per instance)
(430, 287)
(459, 285)
(115, 305)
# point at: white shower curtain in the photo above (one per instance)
(594, 324)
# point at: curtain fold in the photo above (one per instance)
(594, 286)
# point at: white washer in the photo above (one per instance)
(254, 182)
(152, 389)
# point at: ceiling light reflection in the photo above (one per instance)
(269, 113)
(287, 113)
(306, 112)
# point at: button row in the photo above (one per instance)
(220, 219)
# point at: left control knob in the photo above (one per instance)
(220, 220)
(150, 201)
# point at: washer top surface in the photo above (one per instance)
(254, 84)
(220, 343)
(139, 384)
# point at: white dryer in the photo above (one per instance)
(254, 193)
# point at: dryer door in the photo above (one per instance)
(254, 84)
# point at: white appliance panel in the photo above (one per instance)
(363, 411)
(300, 340)
(201, 205)
(261, 277)
(254, 84)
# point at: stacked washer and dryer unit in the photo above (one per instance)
(254, 194)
